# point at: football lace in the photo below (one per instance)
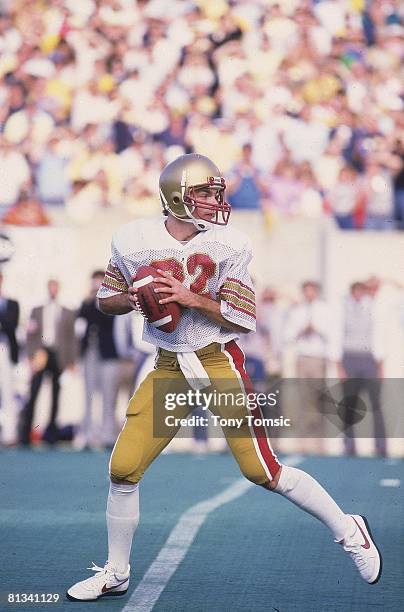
(141, 308)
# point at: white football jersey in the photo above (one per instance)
(212, 263)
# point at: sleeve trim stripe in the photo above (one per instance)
(110, 283)
(243, 293)
(119, 281)
(106, 286)
(246, 312)
(235, 280)
(114, 272)
(232, 301)
(233, 286)
(236, 294)
(118, 277)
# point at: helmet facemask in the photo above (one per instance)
(194, 200)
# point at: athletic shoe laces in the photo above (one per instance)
(96, 568)
(107, 570)
(357, 555)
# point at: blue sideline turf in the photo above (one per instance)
(256, 554)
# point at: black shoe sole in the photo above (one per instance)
(377, 548)
(111, 594)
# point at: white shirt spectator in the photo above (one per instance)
(87, 109)
(311, 203)
(358, 327)
(326, 169)
(137, 91)
(331, 15)
(126, 15)
(14, 172)
(38, 126)
(266, 147)
(282, 32)
(130, 163)
(195, 73)
(10, 41)
(315, 342)
(379, 192)
(305, 140)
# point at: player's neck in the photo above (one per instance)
(179, 230)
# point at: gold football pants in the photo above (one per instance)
(138, 445)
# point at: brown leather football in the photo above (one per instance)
(163, 316)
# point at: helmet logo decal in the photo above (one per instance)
(183, 182)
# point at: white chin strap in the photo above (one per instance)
(200, 224)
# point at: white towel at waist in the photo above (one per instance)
(193, 370)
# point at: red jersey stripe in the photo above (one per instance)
(264, 446)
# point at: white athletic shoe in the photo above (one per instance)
(363, 551)
(106, 582)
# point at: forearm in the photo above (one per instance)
(115, 305)
(211, 309)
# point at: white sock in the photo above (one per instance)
(304, 491)
(122, 520)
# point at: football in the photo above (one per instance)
(163, 316)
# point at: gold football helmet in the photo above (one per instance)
(186, 187)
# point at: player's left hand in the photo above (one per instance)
(178, 292)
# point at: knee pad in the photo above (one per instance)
(120, 467)
(255, 476)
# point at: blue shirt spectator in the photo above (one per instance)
(53, 184)
(244, 185)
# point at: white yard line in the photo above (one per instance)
(179, 541)
(390, 482)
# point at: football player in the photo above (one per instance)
(202, 264)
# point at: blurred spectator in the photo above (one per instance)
(378, 188)
(244, 183)
(53, 184)
(255, 347)
(398, 150)
(31, 122)
(308, 328)
(15, 173)
(92, 106)
(27, 211)
(9, 316)
(265, 139)
(273, 320)
(305, 137)
(140, 195)
(85, 200)
(361, 355)
(174, 134)
(310, 200)
(101, 370)
(283, 189)
(346, 199)
(51, 349)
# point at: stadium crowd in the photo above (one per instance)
(299, 102)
